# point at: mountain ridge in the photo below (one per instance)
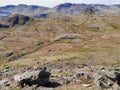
(64, 9)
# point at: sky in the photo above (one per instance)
(52, 3)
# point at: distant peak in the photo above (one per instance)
(66, 5)
(22, 5)
(10, 6)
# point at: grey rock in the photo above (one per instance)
(107, 79)
(4, 83)
(36, 88)
(36, 68)
(44, 88)
(105, 83)
(80, 75)
(66, 36)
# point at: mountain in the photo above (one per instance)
(68, 8)
(21, 9)
(63, 9)
(117, 5)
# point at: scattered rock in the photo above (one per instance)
(35, 78)
(8, 53)
(106, 37)
(66, 36)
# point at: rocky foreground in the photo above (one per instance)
(37, 78)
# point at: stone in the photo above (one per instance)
(36, 68)
(8, 53)
(105, 83)
(43, 77)
(80, 75)
(4, 83)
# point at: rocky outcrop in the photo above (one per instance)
(66, 36)
(17, 20)
(13, 20)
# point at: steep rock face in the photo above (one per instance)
(17, 20)
(14, 20)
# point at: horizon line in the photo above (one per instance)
(57, 4)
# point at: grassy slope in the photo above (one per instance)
(99, 45)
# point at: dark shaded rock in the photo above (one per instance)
(43, 77)
(3, 26)
(80, 75)
(25, 82)
(17, 20)
(8, 54)
(117, 78)
(42, 16)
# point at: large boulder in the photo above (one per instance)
(39, 77)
